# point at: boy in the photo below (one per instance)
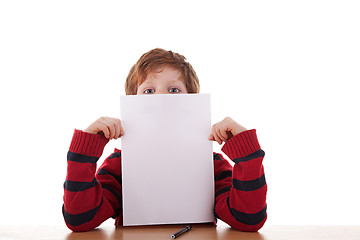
(90, 199)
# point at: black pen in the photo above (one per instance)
(185, 229)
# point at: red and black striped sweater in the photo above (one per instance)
(92, 196)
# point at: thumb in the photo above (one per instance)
(211, 137)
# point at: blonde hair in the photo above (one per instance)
(155, 58)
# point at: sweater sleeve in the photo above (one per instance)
(89, 198)
(240, 191)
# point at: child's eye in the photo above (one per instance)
(149, 90)
(174, 90)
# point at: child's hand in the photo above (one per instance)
(224, 130)
(109, 127)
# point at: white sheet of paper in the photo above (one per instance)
(167, 159)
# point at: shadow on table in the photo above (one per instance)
(230, 233)
(97, 234)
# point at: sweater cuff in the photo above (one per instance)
(241, 144)
(88, 144)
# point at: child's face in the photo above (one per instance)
(168, 81)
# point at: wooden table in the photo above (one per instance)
(199, 231)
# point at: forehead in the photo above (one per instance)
(166, 73)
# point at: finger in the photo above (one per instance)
(211, 137)
(219, 131)
(216, 137)
(122, 132)
(215, 134)
(117, 128)
(110, 125)
(112, 129)
(104, 128)
(94, 128)
(212, 133)
(225, 131)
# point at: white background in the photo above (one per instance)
(287, 68)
